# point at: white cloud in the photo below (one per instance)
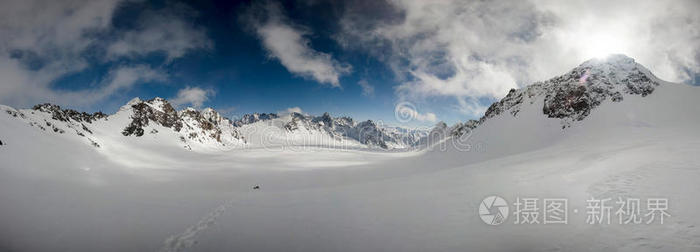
(427, 117)
(194, 96)
(58, 34)
(291, 110)
(471, 50)
(289, 44)
(160, 31)
(367, 89)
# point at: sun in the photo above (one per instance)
(601, 45)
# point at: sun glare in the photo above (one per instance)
(601, 45)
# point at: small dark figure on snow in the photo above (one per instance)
(256, 187)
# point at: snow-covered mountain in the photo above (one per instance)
(573, 96)
(207, 129)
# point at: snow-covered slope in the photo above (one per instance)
(60, 193)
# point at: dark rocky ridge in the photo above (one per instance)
(65, 115)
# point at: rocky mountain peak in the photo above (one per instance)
(325, 120)
(193, 125)
(157, 110)
(572, 96)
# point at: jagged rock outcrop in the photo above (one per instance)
(65, 115)
(157, 110)
(460, 129)
(208, 124)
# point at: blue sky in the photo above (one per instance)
(354, 58)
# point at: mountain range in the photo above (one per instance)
(207, 129)
(570, 97)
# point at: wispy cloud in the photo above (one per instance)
(367, 89)
(290, 110)
(194, 96)
(289, 44)
(160, 31)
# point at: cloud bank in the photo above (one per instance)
(194, 96)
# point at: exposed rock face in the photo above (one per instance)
(199, 126)
(65, 115)
(460, 129)
(208, 123)
(296, 120)
(575, 94)
(368, 133)
(200, 122)
(157, 110)
(572, 96)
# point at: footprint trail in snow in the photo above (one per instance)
(185, 240)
